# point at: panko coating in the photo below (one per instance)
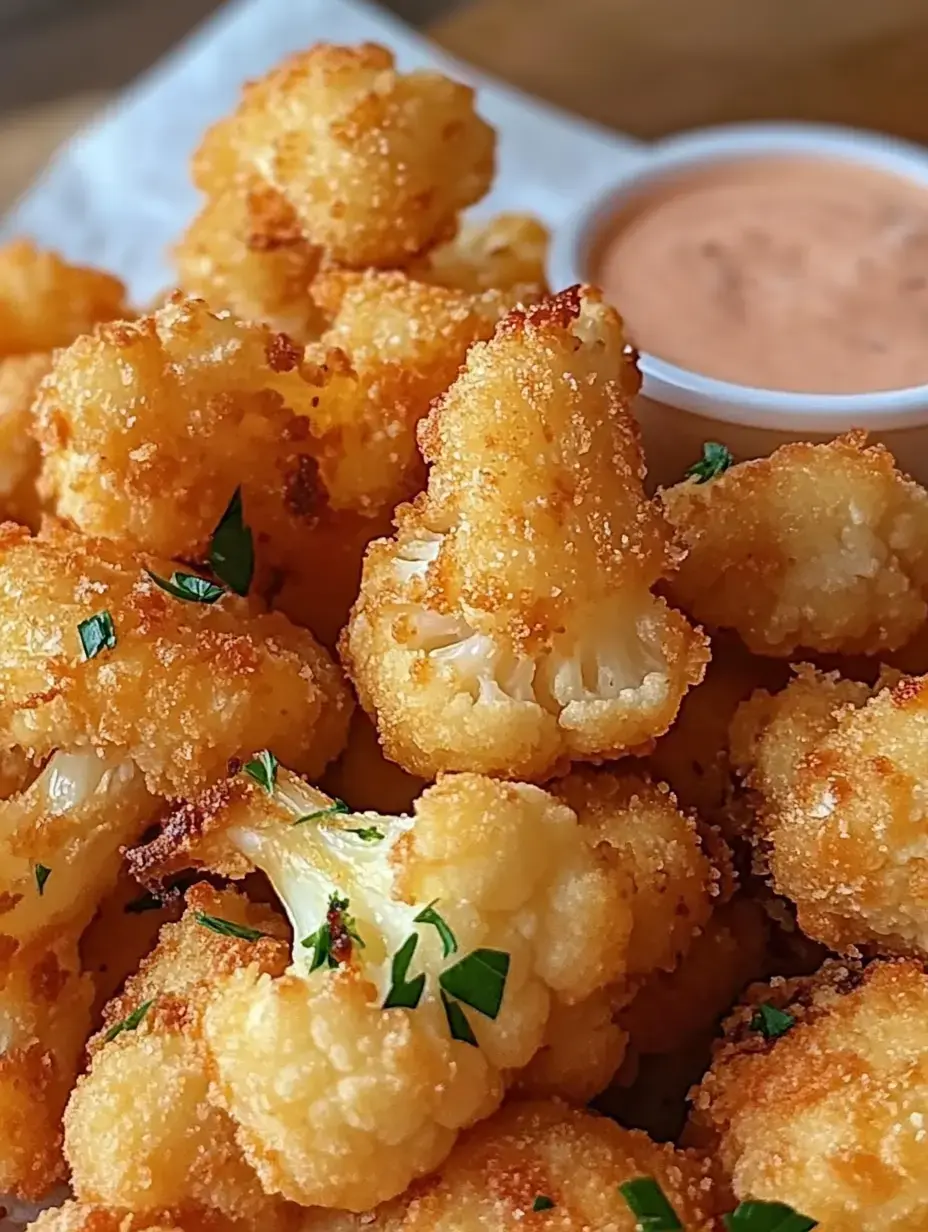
(836, 772)
(20, 461)
(821, 547)
(46, 303)
(508, 251)
(79, 1217)
(830, 1115)
(353, 1074)
(141, 1132)
(510, 627)
(542, 1150)
(187, 686)
(375, 164)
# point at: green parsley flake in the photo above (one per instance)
(228, 928)
(232, 548)
(189, 586)
(42, 873)
(771, 1022)
(367, 834)
(263, 769)
(428, 915)
(458, 1025)
(648, 1203)
(97, 633)
(403, 993)
(543, 1203)
(331, 943)
(479, 980)
(715, 460)
(337, 806)
(767, 1217)
(128, 1024)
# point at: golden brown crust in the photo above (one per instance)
(20, 377)
(508, 251)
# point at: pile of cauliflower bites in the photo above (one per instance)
(389, 779)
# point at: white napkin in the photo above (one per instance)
(120, 192)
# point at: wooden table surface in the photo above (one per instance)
(648, 67)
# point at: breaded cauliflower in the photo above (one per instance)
(20, 376)
(823, 547)
(510, 626)
(837, 774)
(365, 779)
(141, 1132)
(828, 1116)
(508, 251)
(46, 303)
(431, 954)
(375, 164)
(77, 1217)
(542, 1165)
(186, 685)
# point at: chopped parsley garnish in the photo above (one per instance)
(332, 941)
(42, 873)
(648, 1203)
(97, 633)
(128, 1024)
(337, 806)
(403, 993)
(543, 1203)
(263, 769)
(479, 980)
(458, 1025)
(767, 1217)
(715, 460)
(228, 928)
(232, 548)
(771, 1022)
(367, 834)
(189, 586)
(428, 915)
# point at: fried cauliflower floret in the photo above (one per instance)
(510, 627)
(60, 853)
(836, 772)
(46, 303)
(339, 1100)
(186, 687)
(508, 251)
(544, 1150)
(823, 547)
(828, 1117)
(375, 164)
(20, 376)
(79, 1217)
(141, 1133)
(365, 779)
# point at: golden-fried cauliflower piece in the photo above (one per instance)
(46, 303)
(431, 954)
(528, 1151)
(508, 251)
(510, 625)
(830, 1116)
(187, 685)
(365, 779)
(20, 376)
(823, 547)
(837, 774)
(141, 1133)
(78, 1217)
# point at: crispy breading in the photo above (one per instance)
(822, 547)
(375, 164)
(829, 1117)
(544, 1150)
(46, 303)
(141, 1132)
(508, 251)
(836, 770)
(79, 1217)
(20, 376)
(510, 627)
(186, 687)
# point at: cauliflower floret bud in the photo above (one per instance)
(20, 376)
(819, 1095)
(836, 771)
(509, 251)
(145, 1100)
(430, 954)
(178, 686)
(375, 164)
(46, 303)
(543, 1165)
(818, 546)
(60, 853)
(510, 625)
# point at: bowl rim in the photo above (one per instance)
(748, 405)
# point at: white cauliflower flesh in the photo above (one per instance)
(431, 953)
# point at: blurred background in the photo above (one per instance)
(647, 67)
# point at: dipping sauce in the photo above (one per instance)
(787, 273)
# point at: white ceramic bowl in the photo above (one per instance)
(680, 409)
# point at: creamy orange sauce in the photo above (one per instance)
(785, 273)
